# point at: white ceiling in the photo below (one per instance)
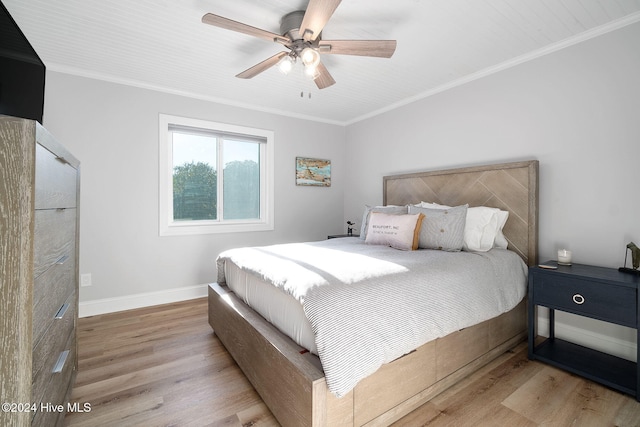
(162, 44)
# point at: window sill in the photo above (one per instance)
(188, 229)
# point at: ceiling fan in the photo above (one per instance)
(301, 34)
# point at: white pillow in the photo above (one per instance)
(501, 241)
(398, 231)
(483, 228)
(432, 205)
(483, 225)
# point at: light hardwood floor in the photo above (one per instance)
(163, 366)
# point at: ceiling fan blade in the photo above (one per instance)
(262, 66)
(324, 79)
(229, 24)
(316, 17)
(377, 48)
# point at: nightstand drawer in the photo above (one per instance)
(616, 304)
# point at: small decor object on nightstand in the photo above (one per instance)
(564, 257)
(635, 259)
(350, 225)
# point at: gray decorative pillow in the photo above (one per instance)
(391, 209)
(442, 228)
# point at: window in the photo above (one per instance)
(214, 177)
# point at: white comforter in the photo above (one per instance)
(369, 305)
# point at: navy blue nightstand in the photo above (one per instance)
(596, 292)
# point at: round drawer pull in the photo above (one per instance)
(578, 299)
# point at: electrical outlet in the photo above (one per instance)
(85, 279)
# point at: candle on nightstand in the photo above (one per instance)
(564, 257)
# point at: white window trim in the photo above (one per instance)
(168, 227)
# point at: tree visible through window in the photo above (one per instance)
(241, 189)
(194, 192)
(216, 177)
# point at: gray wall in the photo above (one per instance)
(577, 111)
(113, 130)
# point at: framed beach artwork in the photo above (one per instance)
(314, 172)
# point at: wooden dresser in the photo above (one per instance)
(39, 189)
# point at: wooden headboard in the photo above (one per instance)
(509, 186)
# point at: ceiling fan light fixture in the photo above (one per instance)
(286, 64)
(310, 57)
(311, 71)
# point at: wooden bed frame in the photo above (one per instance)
(291, 381)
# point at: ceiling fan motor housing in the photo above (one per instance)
(290, 24)
(290, 27)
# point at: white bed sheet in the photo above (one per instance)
(281, 309)
(427, 295)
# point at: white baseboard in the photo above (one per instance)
(111, 305)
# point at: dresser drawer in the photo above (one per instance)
(54, 239)
(56, 181)
(55, 390)
(616, 304)
(54, 342)
(50, 291)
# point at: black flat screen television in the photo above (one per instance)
(22, 73)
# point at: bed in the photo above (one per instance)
(291, 379)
